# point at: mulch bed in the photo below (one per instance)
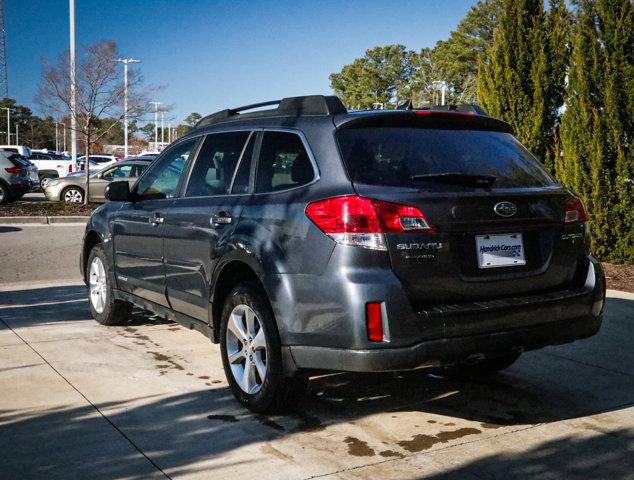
(45, 209)
(619, 277)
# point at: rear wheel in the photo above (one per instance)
(72, 195)
(251, 353)
(489, 366)
(5, 196)
(103, 306)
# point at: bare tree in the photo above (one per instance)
(99, 93)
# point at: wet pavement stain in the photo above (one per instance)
(164, 358)
(223, 418)
(358, 448)
(264, 420)
(390, 454)
(271, 450)
(204, 377)
(216, 381)
(422, 442)
(309, 423)
(491, 425)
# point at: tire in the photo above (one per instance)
(103, 306)
(259, 348)
(45, 180)
(489, 366)
(72, 195)
(5, 195)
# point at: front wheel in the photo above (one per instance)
(104, 307)
(251, 353)
(73, 195)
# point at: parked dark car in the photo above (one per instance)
(306, 238)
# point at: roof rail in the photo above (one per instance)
(310, 105)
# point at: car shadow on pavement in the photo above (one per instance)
(180, 430)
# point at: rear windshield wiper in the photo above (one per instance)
(466, 179)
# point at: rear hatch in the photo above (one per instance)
(497, 217)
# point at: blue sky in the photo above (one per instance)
(213, 54)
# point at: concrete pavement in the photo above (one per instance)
(149, 400)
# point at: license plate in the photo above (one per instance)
(500, 250)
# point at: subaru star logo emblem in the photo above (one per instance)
(505, 209)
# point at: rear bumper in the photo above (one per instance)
(475, 330)
(442, 351)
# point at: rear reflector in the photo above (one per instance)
(374, 321)
(360, 221)
(575, 212)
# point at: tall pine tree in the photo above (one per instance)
(521, 79)
(597, 128)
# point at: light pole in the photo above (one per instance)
(125, 62)
(162, 127)
(156, 105)
(56, 138)
(73, 89)
(17, 137)
(64, 125)
(442, 86)
(8, 125)
(169, 132)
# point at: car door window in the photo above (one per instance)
(120, 171)
(283, 163)
(137, 170)
(162, 180)
(215, 164)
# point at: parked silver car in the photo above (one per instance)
(72, 188)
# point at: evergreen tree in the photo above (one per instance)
(598, 124)
(522, 78)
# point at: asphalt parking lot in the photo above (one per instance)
(78, 400)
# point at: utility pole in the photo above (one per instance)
(156, 105)
(56, 138)
(73, 89)
(125, 62)
(4, 80)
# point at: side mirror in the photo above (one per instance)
(118, 191)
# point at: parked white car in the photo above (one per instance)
(19, 149)
(50, 165)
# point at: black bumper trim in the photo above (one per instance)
(445, 350)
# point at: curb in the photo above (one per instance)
(26, 220)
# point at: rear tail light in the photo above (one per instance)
(575, 212)
(70, 168)
(360, 221)
(374, 321)
(14, 169)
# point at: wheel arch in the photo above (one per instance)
(226, 277)
(91, 239)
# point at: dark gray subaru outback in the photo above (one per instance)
(307, 238)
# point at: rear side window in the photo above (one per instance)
(215, 164)
(395, 156)
(283, 163)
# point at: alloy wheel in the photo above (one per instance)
(73, 196)
(98, 285)
(246, 349)
(45, 181)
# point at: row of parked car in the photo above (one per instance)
(23, 170)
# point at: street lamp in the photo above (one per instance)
(125, 62)
(162, 127)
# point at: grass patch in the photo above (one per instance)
(46, 209)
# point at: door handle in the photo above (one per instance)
(220, 218)
(156, 220)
